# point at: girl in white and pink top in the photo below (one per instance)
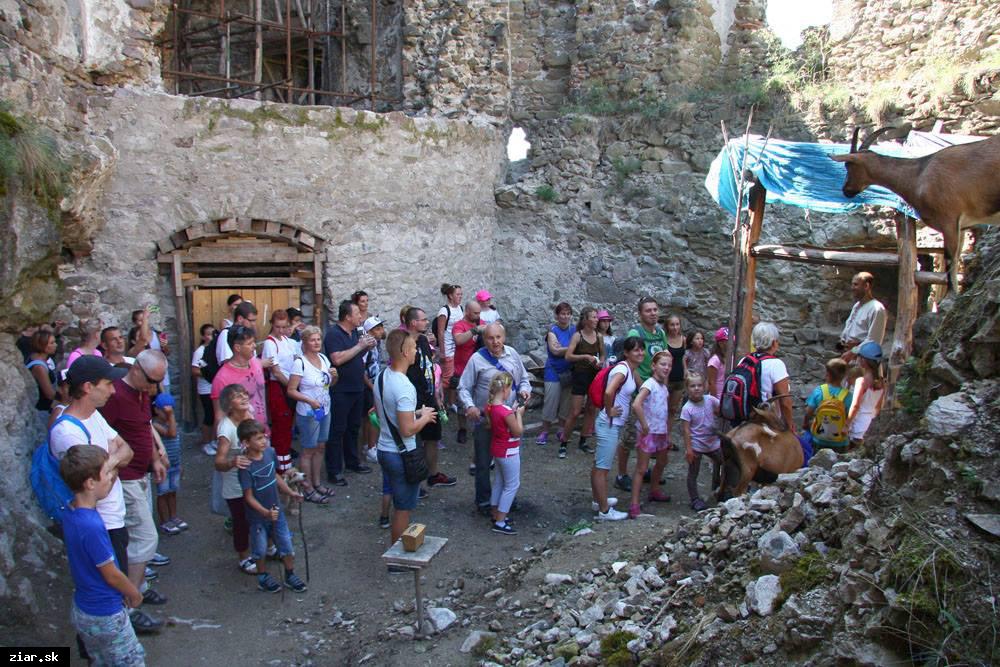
(651, 407)
(90, 332)
(715, 374)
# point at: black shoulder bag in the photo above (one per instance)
(414, 462)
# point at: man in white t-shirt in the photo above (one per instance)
(113, 343)
(281, 350)
(774, 380)
(866, 323)
(245, 315)
(90, 386)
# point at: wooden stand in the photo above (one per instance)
(415, 561)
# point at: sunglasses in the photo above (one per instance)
(149, 380)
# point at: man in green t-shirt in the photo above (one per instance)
(652, 334)
(655, 340)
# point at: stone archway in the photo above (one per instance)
(232, 254)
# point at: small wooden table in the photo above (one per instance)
(416, 561)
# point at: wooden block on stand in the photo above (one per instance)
(413, 537)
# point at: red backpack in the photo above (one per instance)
(599, 385)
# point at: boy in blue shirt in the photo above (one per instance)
(260, 487)
(98, 614)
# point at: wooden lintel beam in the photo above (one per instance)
(251, 255)
(248, 281)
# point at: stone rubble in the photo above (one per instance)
(810, 551)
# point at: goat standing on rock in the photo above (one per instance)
(952, 189)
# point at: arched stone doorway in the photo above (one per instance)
(275, 264)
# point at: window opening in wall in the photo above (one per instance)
(517, 145)
(325, 52)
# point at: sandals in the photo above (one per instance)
(314, 496)
(325, 491)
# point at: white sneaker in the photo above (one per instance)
(597, 508)
(611, 515)
(209, 448)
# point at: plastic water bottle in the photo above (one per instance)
(373, 419)
(442, 417)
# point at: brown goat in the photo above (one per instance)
(757, 451)
(952, 189)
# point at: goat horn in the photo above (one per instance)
(871, 138)
(854, 140)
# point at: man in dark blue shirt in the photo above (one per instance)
(345, 347)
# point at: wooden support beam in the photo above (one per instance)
(906, 301)
(242, 281)
(828, 257)
(260, 254)
(859, 259)
(184, 333)
(744, 325)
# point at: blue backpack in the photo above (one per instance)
(50, 490)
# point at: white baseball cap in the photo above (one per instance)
(371, 323)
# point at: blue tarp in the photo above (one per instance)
(799, 174)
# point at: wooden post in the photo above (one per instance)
(184, 334)
(318, 309)
(748, 284)
(906, 301)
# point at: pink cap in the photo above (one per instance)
(483, 295)
(722, 334)
(604, 315)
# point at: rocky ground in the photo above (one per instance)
(354, 612)
(890, 559)
(875, 560)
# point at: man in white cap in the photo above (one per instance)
(374, 327)
(489, 313)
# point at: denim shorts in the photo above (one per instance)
(404, 494)
(261, 529)
(171, 483)
(607, 442)
(386, 483)
(110, 640)
(312, 432)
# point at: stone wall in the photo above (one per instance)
(386, 193)
(921, 60)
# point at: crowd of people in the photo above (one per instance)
(362, 394)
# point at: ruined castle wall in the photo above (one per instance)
(400, 202)
(921, 60)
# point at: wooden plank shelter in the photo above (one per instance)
(268, 263)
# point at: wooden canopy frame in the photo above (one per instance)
(199, 253)
(748, 250)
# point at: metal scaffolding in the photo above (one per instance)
(278, 50)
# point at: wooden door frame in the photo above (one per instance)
(201, 248)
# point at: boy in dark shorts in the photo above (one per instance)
(98, 614)
(260, 486)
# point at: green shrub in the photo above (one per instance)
(29, 158)
(614, 649)
(808, 572)
(546, 193)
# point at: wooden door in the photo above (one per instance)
(209, 305)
